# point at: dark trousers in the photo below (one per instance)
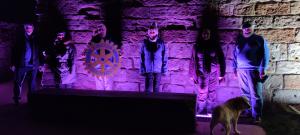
(152, 82)
(20, 75)
(251, 87)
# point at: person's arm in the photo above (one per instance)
(71, 58)
(142, 60)
(193, 66)
(221, 60)
(165, 59)
(234, 63)
(265, 61)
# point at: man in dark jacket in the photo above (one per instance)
(154, 56)
(251, 57)
(25, 60)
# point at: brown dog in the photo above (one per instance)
(229, 112)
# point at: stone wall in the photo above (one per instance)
(277, 20)
(7, 38)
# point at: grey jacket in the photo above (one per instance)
(154, 61)
(251, 53)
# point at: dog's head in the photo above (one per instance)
(245, 104)
(241, 103)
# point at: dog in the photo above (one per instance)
(229, 112)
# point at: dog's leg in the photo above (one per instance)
(235, 121)
(213, 123)
(227, 127)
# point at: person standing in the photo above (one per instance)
(251, 57)
(61, 61)
(153, 59)
(207, 68)
(100, 33)
(25, 60)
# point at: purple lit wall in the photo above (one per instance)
(179, 19)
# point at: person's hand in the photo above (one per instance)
(13, 68)
(41, 68)
(262, 74)
(194, 80)
(221, 79)
(44, 53)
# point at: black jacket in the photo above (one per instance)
(19, 51)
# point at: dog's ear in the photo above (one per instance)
(246, 103)
(241, 103)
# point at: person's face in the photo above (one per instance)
(206, 34)
(28, 29)
(101, 31)
(60, 36)
(152, 33)
(247, 32)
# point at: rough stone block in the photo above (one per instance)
(225, 93)
(179, 36)
(136, 62)
(126, 86)
(294, 52)
(230, 22)
(120, 75)
(278, 52)
(133, 75)
(127, 63)
(180, 50)
(81, 36)
(131, 50)
(291, 82)
(272, 8)
(179, 12)
(271, 68)
(295, 7)
(226, 9)
(68, 8)
(159, 2)
(173, 88)
(288, 67)
(297, 39)
(244, 9)
(143, 24)
(260, 22)
(228, 36)
(135, 37)
(287, 21)
(277, 35)
(85, 81)
(178, 64)
(274, 82)
(179, 78)
(137, 12)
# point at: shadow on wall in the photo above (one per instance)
(113, 19)
(12, 14)
(52, 22)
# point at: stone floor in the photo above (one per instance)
(16, 120)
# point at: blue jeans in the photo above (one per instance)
(152, 82)
(20, 75)
(251, 87)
